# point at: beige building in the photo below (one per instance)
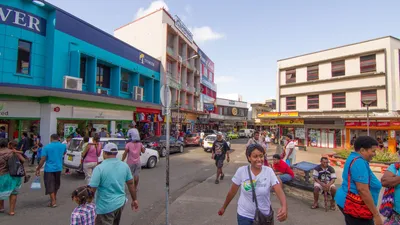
(327, 88)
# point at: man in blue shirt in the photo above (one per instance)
(108, 182)
(52, 155)
(2, 132)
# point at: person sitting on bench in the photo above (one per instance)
(324, 177)
(282, 169)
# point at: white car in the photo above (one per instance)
(209, 141)
(246, 133)
(73, 157)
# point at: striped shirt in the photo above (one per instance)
(84, 214)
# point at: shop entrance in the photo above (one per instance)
(15, 127)
(325, 138)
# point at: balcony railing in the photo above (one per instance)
(173, 82)
(171, 51)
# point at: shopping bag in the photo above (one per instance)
(36, 183)
(29, 154)
(288, 162)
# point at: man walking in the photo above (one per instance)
(24, 145)
(324, 177)
(219, 149)
(133, 133)
(133, 150)
(52, 155)
(108, 182)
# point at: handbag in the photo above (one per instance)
(387, 205)
(354, 205)
(15, 167)
(260, 218)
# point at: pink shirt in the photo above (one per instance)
(134, 150)
(92, 155)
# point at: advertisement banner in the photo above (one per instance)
(209, 107)
(206, 61)
(290, 122)
(69, 128)
(277, 114)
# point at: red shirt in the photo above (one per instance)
(282, 167)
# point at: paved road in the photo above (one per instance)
(187, 170)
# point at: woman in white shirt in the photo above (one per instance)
(263, 179)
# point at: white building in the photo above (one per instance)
(326, 89)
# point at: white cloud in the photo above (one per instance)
(188, 9)
(154, 6)
(205, 33)
(224, 79)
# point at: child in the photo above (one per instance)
(84, 213)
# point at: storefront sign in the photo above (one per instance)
(182, 27)
(69, 129)
(231, 102)
(92, 113)
(209, 107)
(290, 122)
(22, 19)
(277, 114)
(19, 109)
(208, 83)
(364, 123)
(395, 123)
(234, 111)
(352, 124)
(208, 99)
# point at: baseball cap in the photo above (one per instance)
(219, 133)
(110, 147)
(133, 123)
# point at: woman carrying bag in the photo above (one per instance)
(90, 157)
(254, 206)
(357, 198)
(390, 206)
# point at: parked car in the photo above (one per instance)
(246, 133)
(159, 144)
(209, 132)
(73, 157)
(192, 139)
(233, 135)
(209, 141)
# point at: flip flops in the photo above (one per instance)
(314, 206)
(222, 176)
(52, 206)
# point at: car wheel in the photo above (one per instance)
(181, 150)
(163, 152)
(152, 162)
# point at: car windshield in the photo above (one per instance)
(75, 145)
(211, 138)
(192, 135)
(241, 131)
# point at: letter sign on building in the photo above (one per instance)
(22, 19)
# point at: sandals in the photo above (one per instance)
(216, 181)
(11, 213)
(222, 176)
(333, 207)
(51, 205)
(314, 206)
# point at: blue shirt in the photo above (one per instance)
(360, 172)
(392, 169)
(39, 153)
(109, 178)
(54, 153)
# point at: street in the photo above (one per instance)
(188, 170)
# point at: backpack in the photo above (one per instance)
(15, 167)
(387, 205)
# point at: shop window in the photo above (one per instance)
(312, 72)
(369, 94)
(290, 103)
(338, 68)
(24, 57)
(313, 101)
(291, 76)
(339, 100)
(368, 63)
(169, 68)
(125, 81)
(82, 71)
(103, 76)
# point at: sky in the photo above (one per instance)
(246, 38)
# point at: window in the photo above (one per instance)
(290, 76)
(312, 72)
(82, 71)
(369, 94)
(339, 100)
(141, 82)
(290, 103)
(169, 68)
(103, 76)
(367, 63)
(24, 57)
(313, 101)
(125, 81)
(338, 68)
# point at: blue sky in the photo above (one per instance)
(246, 38)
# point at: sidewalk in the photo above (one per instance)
(200, 204)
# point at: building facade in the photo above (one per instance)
(59, 73)
(328, 90)
(168, 39)
(230, 115)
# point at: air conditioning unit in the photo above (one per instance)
(72, 83)
(137, 93)
(102, 92)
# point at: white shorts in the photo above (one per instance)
(320, 187)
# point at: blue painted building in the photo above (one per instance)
(53, 59)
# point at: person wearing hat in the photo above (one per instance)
(108, 182)
(219, 149)
(290, 150)
(133, 133)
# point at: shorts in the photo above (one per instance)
(52, 181)
(135, 169)
(111, 218)
(219, 163)
(317, 185)
(285, 178)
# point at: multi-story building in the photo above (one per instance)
(168, 39)
(271, 103)
(257, 109)
(59, 73)
(326, 92)
(229, 115)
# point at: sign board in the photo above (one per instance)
(277, 114)
(209, 107)
(69, 128)
(165, 95)
(372, 123)
(290, 122)
(182, 27)
(92, 113)
(19, 109)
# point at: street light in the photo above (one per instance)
(367, 101)
(180, 82)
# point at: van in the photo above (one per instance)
(246, 133)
